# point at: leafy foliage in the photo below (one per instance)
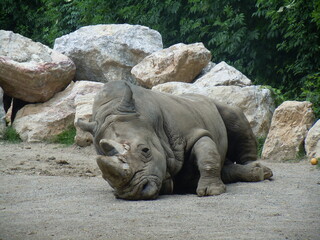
(277, 95)
(311, 91)
(293, 28)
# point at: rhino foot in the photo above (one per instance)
(251, 172)
(211, 189)
(255, 172)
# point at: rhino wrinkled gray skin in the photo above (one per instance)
(152, 143)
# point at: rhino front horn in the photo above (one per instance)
(113, 170)
(127, 102)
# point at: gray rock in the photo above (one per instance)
(108, 52)
(223, 74)
(31, 71)
(289, 127)
(205, 70)
(178, 63)
(312, 142)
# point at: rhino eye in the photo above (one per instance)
(145, 150)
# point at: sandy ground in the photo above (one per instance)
(52, 192)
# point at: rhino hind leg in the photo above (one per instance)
(251, 172)
(242, 144)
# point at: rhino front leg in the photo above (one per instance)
(209, 164)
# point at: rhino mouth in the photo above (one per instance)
(146, 189)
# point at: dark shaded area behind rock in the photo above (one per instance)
(16, 103)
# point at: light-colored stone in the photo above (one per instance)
(2, 115)
(206, 69)
(178, 63)
(289, 127)
(42, 121)
(312, 142)
(83, 111)
(108, 52)
(31, 71)
(223, 74)
(256, 102)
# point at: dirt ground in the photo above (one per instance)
(52, 192)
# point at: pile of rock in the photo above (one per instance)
(102, 53)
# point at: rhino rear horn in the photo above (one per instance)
(110, 147)
(127, 103)
(86, 126)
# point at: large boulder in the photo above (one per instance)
(108, 52)
(289, 127)
(31, 71)
(223, 74)
(178, 63)
(2, 115)
(42, 121)
(256, 102)
(312, 142)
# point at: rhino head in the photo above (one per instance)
(130, 155)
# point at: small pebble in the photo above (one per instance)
(62, 162)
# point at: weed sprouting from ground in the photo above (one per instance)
(11, 135)
(260, 141)
(301, 153)
(66, 137)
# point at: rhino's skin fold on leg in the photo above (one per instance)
(150, 143)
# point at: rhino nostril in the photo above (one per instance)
(145, 186)
(112, 152)
(149, 190)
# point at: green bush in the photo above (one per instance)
(311, 92)
(277, 95)
(66, 137)
(11, 135)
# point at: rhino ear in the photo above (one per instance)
(86, 126)
(127, 103)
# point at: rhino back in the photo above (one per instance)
(182, 119)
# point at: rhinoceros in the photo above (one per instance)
(150, 143)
